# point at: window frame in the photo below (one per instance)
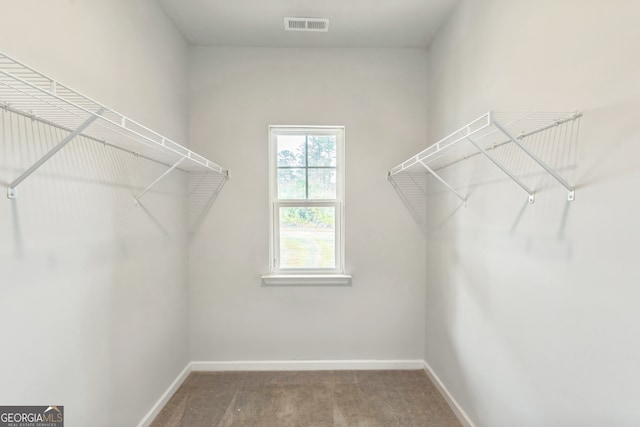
(335, 275)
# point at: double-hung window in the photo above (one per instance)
(307, 203)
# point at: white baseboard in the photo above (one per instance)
(157, 407)
(453, 404)
(306, 365)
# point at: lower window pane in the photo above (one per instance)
(308, 237)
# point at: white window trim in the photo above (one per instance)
(306, 277)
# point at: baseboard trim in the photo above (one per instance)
(451, 401)
(157, 407)
(305, 365)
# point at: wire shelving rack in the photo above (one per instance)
(483, 135)
(28, 92)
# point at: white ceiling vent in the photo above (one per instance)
(306, 24)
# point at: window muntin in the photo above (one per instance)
(307, 190)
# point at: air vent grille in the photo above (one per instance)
(306, 24)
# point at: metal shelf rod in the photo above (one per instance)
(429, 151)
(29, 93)
(542, 164)
(167, 172)
(122, 124)
(432, 151)
(521, 136)
(10, 109)
(487, 133)
(12, 190)
(439, 178)
(505, 170)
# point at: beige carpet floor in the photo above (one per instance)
(307, 398)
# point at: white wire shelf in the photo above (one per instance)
(26, 91)
(484, 134)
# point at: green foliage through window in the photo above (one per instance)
(306, 167)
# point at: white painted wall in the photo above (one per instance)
(379, 96)
(532, 318)
(93, 294)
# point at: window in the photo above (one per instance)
(306, 166)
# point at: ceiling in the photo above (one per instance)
(354, 23)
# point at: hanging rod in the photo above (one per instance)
(33, 94)
(508, 141)
(10, 109)
(486, 133)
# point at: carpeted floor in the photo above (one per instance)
(307, 398)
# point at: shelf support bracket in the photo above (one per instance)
(505, 170)
(445, 183)
(12, 191)
(160, 178)
(540, 162)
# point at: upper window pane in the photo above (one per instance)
(322, 183)
(306, 166)
(322, 150)
(292, 184)
(292, 150)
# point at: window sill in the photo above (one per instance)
(306, 280)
